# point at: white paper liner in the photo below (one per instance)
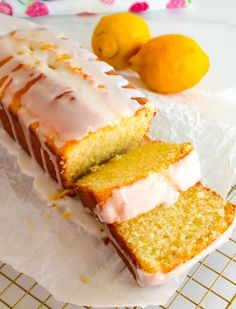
(204, 118)
(36, 240)
(60, 254)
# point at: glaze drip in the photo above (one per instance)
(79, 93)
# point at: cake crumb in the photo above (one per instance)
(56, 206)
(101, 86)
(63, 57)
(28, 223)
(59, 195)
(45, 215)
(38, 62)
(47, 46)
(84, 279)
(67, 215)
(76, 69)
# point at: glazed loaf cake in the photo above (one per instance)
(67, 109)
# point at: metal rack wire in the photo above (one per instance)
(21, 292)
(210, 284)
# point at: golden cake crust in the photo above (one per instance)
(11, 119)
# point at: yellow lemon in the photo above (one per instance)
(170, 63)
(119, 36)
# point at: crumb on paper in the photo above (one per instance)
(67, 215)
(101, 86)
(28, 223)
(45, 215)
(60, 194)
(56, 206)
(84, 279)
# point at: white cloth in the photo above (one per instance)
(34, 8)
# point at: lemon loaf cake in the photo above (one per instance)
(138, 181)
(66, 108)
(165, 243)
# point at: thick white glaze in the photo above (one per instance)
(186, 172)
(130, 201)
(16, 80)
(156, 189)
(93, 98)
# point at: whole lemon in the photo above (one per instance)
(170, 63)
(119, 36)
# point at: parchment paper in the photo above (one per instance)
(35, 238)
(77, 267)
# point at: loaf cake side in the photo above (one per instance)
(67, 109)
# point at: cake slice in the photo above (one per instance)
(138, 181)
(66, 108)
(165, 243)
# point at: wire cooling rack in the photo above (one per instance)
(211, 283)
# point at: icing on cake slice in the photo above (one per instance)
(136, 182)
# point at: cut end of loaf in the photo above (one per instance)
(153, 157)
(163, 239)
(100, 146)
